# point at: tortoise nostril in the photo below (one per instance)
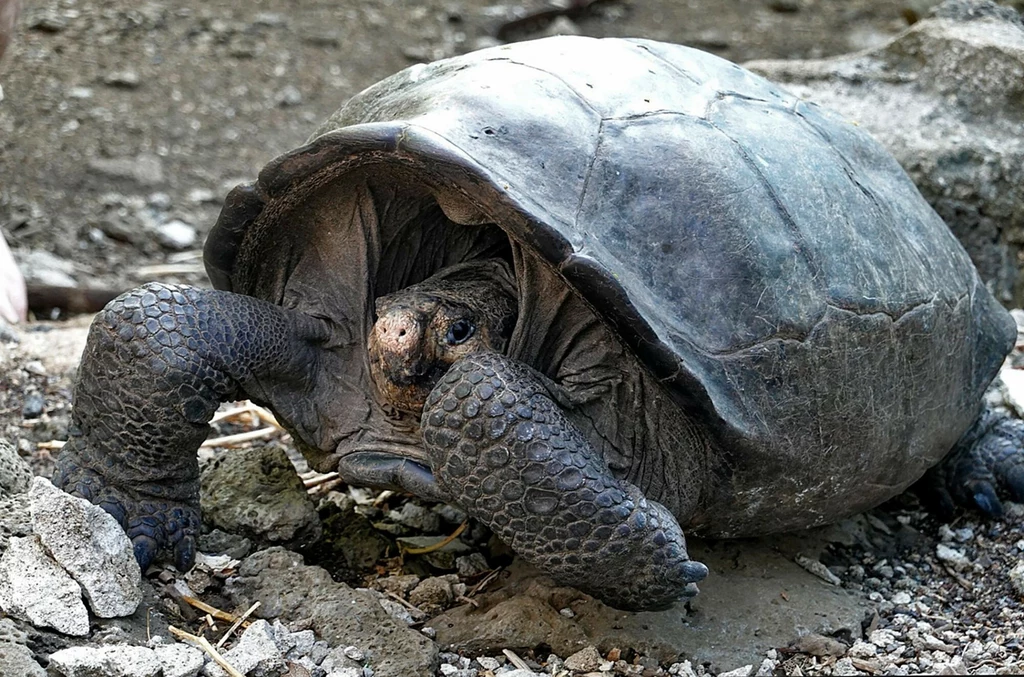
(401, 333)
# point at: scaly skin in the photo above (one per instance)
(158, 362)
(987, 460)
(503, 450)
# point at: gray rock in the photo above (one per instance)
(43, 268)
(1016, 576)
(15, 519)
(432, 594)
(16, 661)
(417, 517)
(584, 660)
(943, 97)
(472, 564)
(289, 590)
(176, 235)
(119, 660)
(88, 542)
(255, 654)
(15, 473)
(258, 495)
(126, 79)
(144, 169)
(179, 660)
(737, 616)
(219, 542)
(34, 588)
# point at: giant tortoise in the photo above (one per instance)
(595, 292)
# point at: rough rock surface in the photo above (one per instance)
(90, 545)
(106, 661)
(256, 653)
(755, 599)
(179, 660)
(15, 518)
(15, 473)
(36, 589)
(257, 494)
(16, 661)
(289, 590)
(946, 98)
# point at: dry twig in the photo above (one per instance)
(234, 626)
(435, 546)
(204, 644)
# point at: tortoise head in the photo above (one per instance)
(422, 330)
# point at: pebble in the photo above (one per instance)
(416, 517)
(433, 593)
(586, 660)
(34, 406)
(177, 235)
(745, 671)
(1017, 578)
(471, 565)
(126, 79)
(289, 96)
(818, 569)
(952, 556)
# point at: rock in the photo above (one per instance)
(738, 615)
(289, 590)
(144, 169)
(46, 269)
(432, 594)
(585, 660)
(818, 569)
(176, 235)
(471, 565)
(34, 588)
(222, 543)
(952, 556)
(561, 25)
(417, 517)
(106, 661)
(16, 661)
(258, 495)
(397, 585)
(1017, 578)
(901, 598)
(179, 660)
(745, 671)
(256, 653)
(15, 473)
(126, 79)
(944, 98)
(15, 519)
(88, 542)
(289, 96)
(34, 406)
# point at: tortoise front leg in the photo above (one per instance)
(158, 362)
(502, 449)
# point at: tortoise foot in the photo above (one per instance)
(987, 463)
(502, 448)
(153, 524)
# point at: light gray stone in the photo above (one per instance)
(585, 660)
(176, 234)
(1017, 577)
(120, 660)
(256, 654)
(15, 473)
(145, 169)
(34, 588)
(90, 544)
(15, 519)
(179, 660)
(16, 661)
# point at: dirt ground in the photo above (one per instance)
(121, 116)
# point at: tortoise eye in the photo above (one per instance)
(460, 332)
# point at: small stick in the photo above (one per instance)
(382, 497)
(405, 603)
(51, 445)
(516, 660)
(436, 546)
(209, 621)
(203, 644)
(229, 440)
(212, 610)
(314, 478)
(487, 579)
(467, 600)
(237, 623)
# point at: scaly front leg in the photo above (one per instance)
(502, 449)
(158, 362)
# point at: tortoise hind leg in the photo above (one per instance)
(158, 361)
(502, 449)
(988, 460)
